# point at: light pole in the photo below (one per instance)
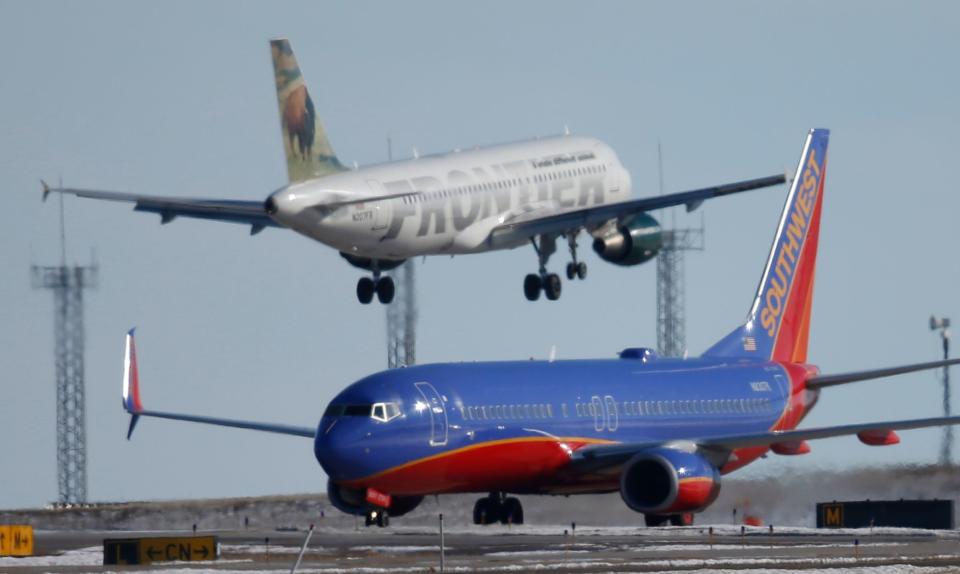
(942, 324)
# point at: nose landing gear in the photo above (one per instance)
(380, 517)
(497, 507)
(575, 269)
(549, 283)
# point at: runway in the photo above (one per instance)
(528, 549)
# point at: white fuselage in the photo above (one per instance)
(453, 200)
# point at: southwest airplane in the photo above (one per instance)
(661, 431)
(460, 202)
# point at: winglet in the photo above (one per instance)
(46, 189)
(131, 382)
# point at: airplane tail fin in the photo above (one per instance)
(778, 325)
(305, 144)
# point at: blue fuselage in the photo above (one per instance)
(430, 428)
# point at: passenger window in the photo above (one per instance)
(549, 411)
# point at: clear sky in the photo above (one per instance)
(177, 98)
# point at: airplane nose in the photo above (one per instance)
(343, 449)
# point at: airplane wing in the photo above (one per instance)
(251, 213)
(618, 453)
(132, 404)
(534, 223)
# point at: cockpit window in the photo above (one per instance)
(385, 412)
(348, 411)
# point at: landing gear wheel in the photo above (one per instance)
(582, 270)
(512, 512)
(386, 290)
(654, 520)
(365, 289)
(685, 519)
(552, 286)
(383, 519)
(485, 512)
(531, 287)
(571, 270)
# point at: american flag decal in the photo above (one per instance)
(749, 344)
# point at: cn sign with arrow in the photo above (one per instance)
(178, 549)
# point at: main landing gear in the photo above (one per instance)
(378, 516)
(383, 287)
(497, 507)
(685, 519)
(549, 283)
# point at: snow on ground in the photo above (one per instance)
(80, 557)
(891, 569)
(398, 549)
(698, 531)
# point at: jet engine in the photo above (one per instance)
(354, 501)
(669, 481)
(636, 240)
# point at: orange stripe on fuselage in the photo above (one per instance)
(505, 464)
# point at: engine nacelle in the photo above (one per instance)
(354, 501)
(669, 481)
(635, 241)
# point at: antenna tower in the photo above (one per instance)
(402, 313)
(671, 287)
(68, 284)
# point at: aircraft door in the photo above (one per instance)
(599, 419)
(381, 217)
(614, 181)
(613, 417)
(438, 413)
(784, 389)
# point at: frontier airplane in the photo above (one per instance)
(661, 431)
(460, 202)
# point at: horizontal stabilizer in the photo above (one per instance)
(853, 377)
(132, 404)
(168, 208)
